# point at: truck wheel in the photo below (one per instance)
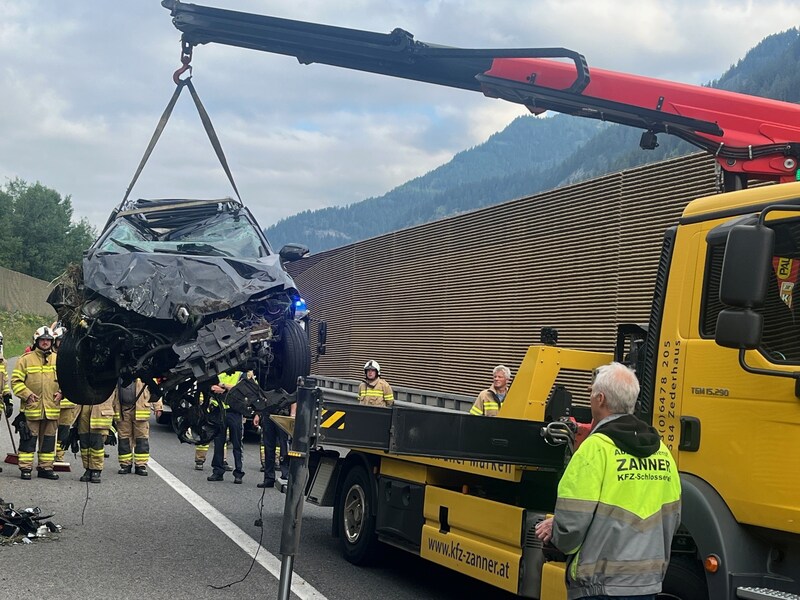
(685, 580)
(295, 355)
(79, 379)
(357, 537)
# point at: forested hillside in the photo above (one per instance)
(529, 156)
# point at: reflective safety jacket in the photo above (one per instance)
(226, 381)
(375, 393)
(487, 403)
(144, 408)
(35, 373)
(618, 507)
(5, 386)
(101, 417)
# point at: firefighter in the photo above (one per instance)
(69, 410)
(619, 499)
(374, 391)
(132, 409)
(95, 429)
(491, 399)
(34, 382)
(5, 388)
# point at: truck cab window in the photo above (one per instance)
(780, 341)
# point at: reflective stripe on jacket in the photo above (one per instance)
(375, 393)
(615, 517)
(487, 404)
(35, 373)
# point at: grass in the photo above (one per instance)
(18, 331)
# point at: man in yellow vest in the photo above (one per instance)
(619, 500)
(234, 423)
(34, 382)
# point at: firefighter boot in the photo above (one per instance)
(94, 476)
(24, 473)
(141, 470)
(124, 469)
(47, 474)
(87, 475)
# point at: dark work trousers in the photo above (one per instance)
(233, 422)
(272, 435)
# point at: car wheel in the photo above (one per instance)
(685, 580)
(80, 380)
(295, 356)
(357, 538)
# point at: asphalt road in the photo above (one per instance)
(174, 535)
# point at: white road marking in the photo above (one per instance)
(300, 587)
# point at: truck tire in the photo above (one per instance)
(685, 580)
(295, 356)
(82, 382)
(357, 538)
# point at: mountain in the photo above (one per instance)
(530, 155)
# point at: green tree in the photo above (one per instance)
(37, 235)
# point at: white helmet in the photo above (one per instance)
(58, 334)
(43, 333)
(373, 364)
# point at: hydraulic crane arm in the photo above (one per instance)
(748, 135)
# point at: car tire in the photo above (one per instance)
(357, 539)
(80, 381)
(295, 356)
(685, 580)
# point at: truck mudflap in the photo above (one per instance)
(407, 429)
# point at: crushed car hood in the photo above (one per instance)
(155, 285)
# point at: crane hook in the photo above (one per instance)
(186, 58)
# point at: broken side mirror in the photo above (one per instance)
(292, 252)
(743, 285)
(322, 337)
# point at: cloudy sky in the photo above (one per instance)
(84, 82)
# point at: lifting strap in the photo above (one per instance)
(204, 118)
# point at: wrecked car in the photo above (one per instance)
(175, 292)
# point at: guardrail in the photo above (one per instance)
(347, 389)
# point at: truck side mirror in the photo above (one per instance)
(292, 252)
(322, 337)
(743, 286)
(746, 266)
(739, 328)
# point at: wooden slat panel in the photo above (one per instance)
(440, 304)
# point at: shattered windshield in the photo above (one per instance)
(223, 234)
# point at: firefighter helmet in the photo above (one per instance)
(43, 333)
(58, 333)
(373, 364)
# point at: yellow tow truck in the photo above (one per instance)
(718, 362)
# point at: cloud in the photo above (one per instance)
(84, 83)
